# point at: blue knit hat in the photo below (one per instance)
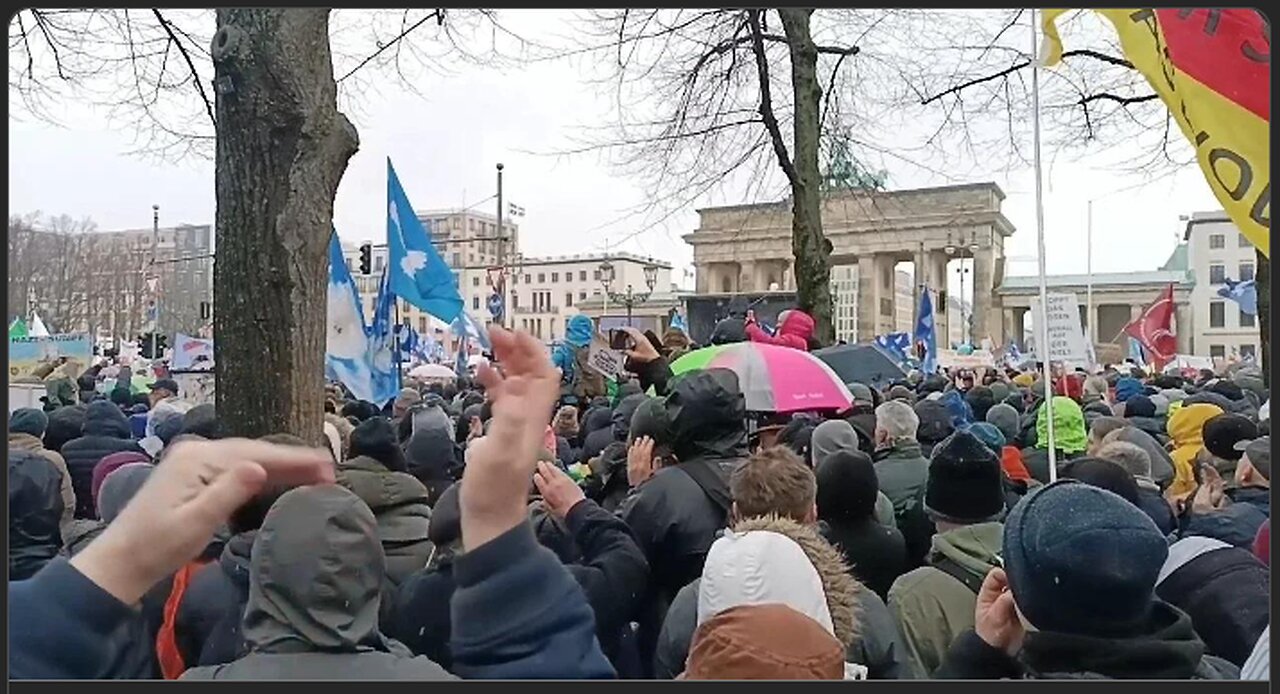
(1127, 387)
(1082, 560)
(988, 434)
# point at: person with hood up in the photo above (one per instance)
(65, 424)
(1137, 462)
(1126, 387)
(1069, 437)
(835, 436)
(570, 357)
(27, 428)
(315, 589)
(376, 472)
(1006, 419)
(35, 511)
(419, 616)
(105, 431)
(935, 425)
(430, 453)
(1186, 430)
(676, 514)
(774, 485)
(846, 497)
(965, 497)
(772, 564)
(1161, 461)
(980, 400)
(1225, 591)
(795, 328)
(1076, 598)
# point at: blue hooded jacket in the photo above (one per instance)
(577, 333)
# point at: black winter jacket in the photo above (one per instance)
(1225, 592)
(876, 554)
(106, 431)
(207, 626)
(35, 512)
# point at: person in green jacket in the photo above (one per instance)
(965, 499)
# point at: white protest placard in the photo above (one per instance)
(191, 353)
(607, 361)
(978, 359)
(1067, 343)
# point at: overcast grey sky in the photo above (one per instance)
(445, 143)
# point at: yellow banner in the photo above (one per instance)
(1212, 70)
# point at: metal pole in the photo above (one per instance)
(1088, 287)
(630, 303)
(395, 341)
(501, 285)
(155, 251)
(1042, 328)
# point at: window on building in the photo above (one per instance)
(1217, 314)
(471, 257)
(475, 281)
(422, 324)
(1217, 241)
(596, 292)
(582, 295)
(552, 334)
(596, 275)
(1242, 241)
(555, 277)
(1248, 352)
(1247, 320)
(471, 225)
(542, 277)
(1217, 273)
(568, 298)
(377, 264)
(457, 259)
(1217, 351)
(582, 275)
(515, 301)
(1246, 271)
(475, 303)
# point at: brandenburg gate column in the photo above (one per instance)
(871, 289)
(984, 324)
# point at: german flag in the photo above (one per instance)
(1212, 69)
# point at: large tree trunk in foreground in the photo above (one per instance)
(1262, 281)
(808, 244)
(282, 147)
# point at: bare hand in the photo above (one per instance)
(639, 461)
(642, 351)
(476, 429)
(188, 496)
(558, 490)
(495, 483)
(995, 619)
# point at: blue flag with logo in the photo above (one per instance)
(418, 274)
(467, 327)
(678, 323)
(460, 364)
(925, 337)
(1244, 293)
(384, 374)
(895, 344)
(346, 337)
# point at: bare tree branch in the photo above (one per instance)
(195, 76)
(766, 99)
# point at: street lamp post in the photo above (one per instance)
(631, 298)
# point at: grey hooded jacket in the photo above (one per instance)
(316, 580)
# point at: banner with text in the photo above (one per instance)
(1067, 343)
(977, 359)
(34, 358)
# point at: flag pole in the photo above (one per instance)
(1043, 327)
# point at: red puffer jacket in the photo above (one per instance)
(794, 332)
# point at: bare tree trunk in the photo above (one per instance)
(808, 244)
(282, 147)
(1262, 282)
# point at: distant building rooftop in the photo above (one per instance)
(1031, 283)
(1215, 217)
(1177, 260)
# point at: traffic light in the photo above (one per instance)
(147, 340)
(366, 259)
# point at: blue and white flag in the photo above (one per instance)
(409, 342)
(460, 365)
(1012, 355)
(678, 323)
(925, 336)
(896, 344)
(381, 356)
(1244, 293)
(465, 326)
(1135, 352)
(418, 274)
(346, 338)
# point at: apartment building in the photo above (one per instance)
(1217, 251)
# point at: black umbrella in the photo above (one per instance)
(867, 364)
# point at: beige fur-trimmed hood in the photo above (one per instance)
(839, 586)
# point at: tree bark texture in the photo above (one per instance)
(282, 147)
(808, 244)
(1262, 281)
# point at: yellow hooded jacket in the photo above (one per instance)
(1185, 428)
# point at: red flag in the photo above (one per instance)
(1154, 329)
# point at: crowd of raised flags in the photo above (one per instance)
(366, 357)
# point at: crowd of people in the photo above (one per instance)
(538, 522)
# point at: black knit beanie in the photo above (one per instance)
(964, 483)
